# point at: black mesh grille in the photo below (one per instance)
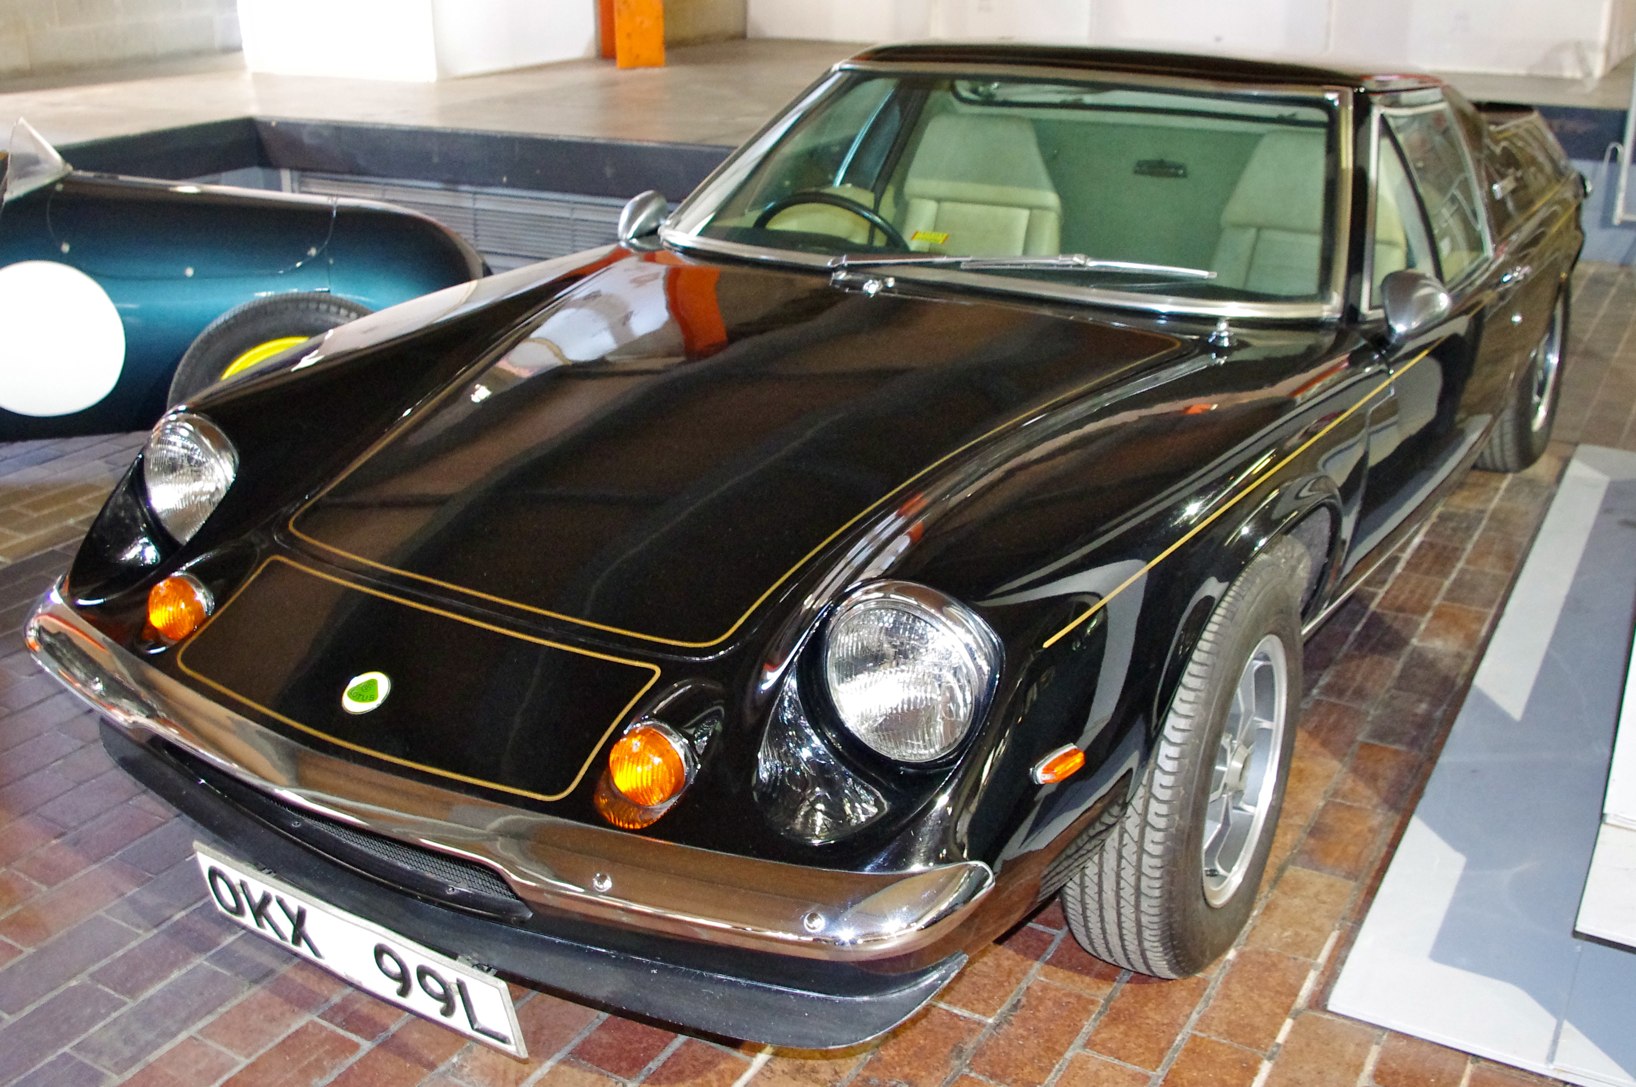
(438, 866)
(423, 872)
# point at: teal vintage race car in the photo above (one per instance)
(121, 295)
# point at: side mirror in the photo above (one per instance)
(642, 216)
(1413, 301)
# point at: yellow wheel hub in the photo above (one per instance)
(260, 352)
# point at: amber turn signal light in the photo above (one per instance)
(178, 606)
(648, 768)
(1059, 765)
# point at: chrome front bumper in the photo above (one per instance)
(601, 875)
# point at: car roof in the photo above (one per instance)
(1128, 61)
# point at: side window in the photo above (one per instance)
(1400, 240)
(1438, 161)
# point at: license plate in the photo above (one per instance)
(373, 958)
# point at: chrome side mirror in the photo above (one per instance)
(642, 215)
(1413, 301)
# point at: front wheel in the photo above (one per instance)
(1172, 885)
(254, 332)
(1523, 429)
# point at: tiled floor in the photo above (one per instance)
(111, 965)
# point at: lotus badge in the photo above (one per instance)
(366, 692)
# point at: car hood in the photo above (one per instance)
(665, 445)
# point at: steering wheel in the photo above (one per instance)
(834, 200)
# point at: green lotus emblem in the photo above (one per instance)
(366, 692)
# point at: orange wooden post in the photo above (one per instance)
(605, 28)
(639, 33)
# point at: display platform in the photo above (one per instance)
(1607, 910)
(1470, 941)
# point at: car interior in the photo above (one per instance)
(1239, 189)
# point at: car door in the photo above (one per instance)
(1426, 215)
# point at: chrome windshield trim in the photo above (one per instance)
(1346, 157)
(1091, 73)
(598, 873)
(1039, 289)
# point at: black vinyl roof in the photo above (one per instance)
(1125, 61)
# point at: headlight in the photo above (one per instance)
(187, 467)
(909, 670)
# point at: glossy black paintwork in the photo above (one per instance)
(875, 411)
(706, 452)
(1135, 62)
(648, 488)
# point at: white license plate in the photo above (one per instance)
(373, 958)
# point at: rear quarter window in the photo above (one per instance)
(1527, 167)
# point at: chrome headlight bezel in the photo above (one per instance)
(968, 671)
(188, 466)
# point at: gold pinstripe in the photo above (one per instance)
(1243, 492)
(181, 663)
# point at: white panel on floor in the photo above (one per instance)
(1607, 910)
(1597, 1044)
(1620, 806)
(1470, 941)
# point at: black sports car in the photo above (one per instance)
(742, 624)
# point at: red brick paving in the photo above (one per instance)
(110, 965)
(1410, 1062)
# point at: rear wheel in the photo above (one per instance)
(254, 332)
(1523, 429)
(1171, 886)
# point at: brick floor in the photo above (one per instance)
(110, 967)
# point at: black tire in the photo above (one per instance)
(1149, 899)
(253, 325)
(1523, 429)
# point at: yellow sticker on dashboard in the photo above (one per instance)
(930, 237)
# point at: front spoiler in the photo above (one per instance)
(796, 956)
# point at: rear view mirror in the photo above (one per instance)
(642, 216)
(1413, 301)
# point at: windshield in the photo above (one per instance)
(30, 162)
(1189, 193)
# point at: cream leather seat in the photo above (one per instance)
(978, 186)
(1391, 243)
(1272, 226)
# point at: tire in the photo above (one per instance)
(247, 334)
(1151, 898)
(1523, 429)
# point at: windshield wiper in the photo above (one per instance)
(1067, 262)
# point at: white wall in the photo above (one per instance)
(1621, 32)
(839, 20)
(413, 40)
(1535, 37)
(475, 36)
(41, 36)
(688, 21)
